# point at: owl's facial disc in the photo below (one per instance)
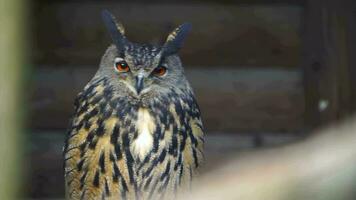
(138, 79)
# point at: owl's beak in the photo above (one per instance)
(139, 83)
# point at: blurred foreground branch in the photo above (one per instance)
(11, 62)
(322, 167)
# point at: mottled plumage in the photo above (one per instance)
(135, 134)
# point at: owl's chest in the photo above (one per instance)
(143, 141)
(133, 149)
(144, 132)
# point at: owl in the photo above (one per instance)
(136, 132)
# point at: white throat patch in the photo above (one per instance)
(146, 127)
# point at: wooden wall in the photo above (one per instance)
(231, 100)
(243, 60)
(313, 39)
(228, 35)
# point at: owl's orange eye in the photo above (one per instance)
(122, 66)
(160, 71)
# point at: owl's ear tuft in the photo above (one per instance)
(116, 30)
(175, 39)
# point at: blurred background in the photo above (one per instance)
(266, 73)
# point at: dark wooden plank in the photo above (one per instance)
(326, 80)
(338, 36)
(312, 60)
(351, 36)
(224, 35)
(231, 100)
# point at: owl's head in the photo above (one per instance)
(142, 69)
